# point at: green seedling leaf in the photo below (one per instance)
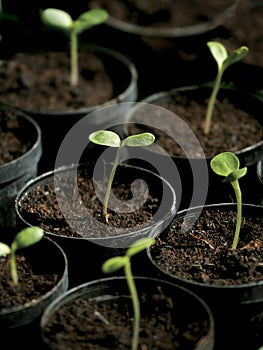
(139, 246)
(4, 249)
(111, 139)
(227, 164)
(57, 18)
(223, 60)
(142, 140)
(105, 138)
(90, 19)
(114, 264)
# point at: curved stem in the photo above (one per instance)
(13, 268)
(238, 194)
(211, 102)
(73, 59)
(136, 304)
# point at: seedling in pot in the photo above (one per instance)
(227, 164)
(113, 264)
(111, 139)
(23, 239)
(223, 60)
(62, 20)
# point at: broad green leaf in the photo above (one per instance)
(236, 56)
(4, 249)
(144, 139)
(90, 18)
(224, 163)
(218, 51)
(27, 237)
(105, 138)
(57, 18)
(236, 175)
(139, 246)
(114, 264)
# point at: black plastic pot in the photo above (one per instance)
(87, 253)
(198, 184)
(186, 308)
(237, 309)
(14, 174)
(49, 258)
(56, 123)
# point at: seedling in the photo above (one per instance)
(111, 139)
(227, 164)
(118, 262)
(23, 239)
(62, 20)
(223, 60)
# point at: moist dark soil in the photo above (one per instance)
(40, 207)
(41, 81)
(202, 252)
(13, 140)
(232, 129)
(32, 282)
(160, 14)
(92, 324)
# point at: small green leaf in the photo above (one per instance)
(139, 246)
(224, 163)
(236, 175)
(4, 249)
(144, 139)
(105, 138)
(27, 237)
(236, 56)
(57, 18)
(114, 264)
(218, 51)
(90, 18)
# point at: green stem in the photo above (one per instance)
(73, 58)
(238, 194)
(112, 174)
(13, 267)
(136, 304)
(211, 102)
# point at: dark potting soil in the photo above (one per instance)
(202, 252)
(40, 207)
(163, 14)
(92, 324)
(232, 129)
(40, 82)
(32, 282)
(13, 141)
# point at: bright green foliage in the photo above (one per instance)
(23, 239)
(118, 262)
(61, 20)
(111, 139)
(227, 164)
(223, 60)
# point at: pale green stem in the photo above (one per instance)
(112, 174)
(212, 101)
(238, 194)
(73, 58)
(135, 303)
(13, 268)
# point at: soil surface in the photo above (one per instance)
(41, 81)
(93, 324)
(163, 14)
(13, 143)
(232, 128)
(202, 252)
(40, 207)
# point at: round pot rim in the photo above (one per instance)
(122, 97)
(59, 285)
(260, 171)
(199, 284)
(173, 32)
(167, 218)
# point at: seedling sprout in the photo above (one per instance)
(223, 60)
(227, 164)
(118, 262)
(111, 139)
(23, 239)
(63, 21)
